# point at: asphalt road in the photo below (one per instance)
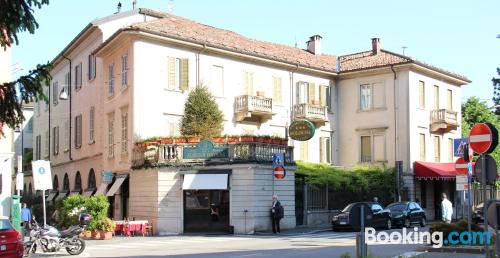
(322, 244)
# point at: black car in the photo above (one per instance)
(406, 214)
(349, 217)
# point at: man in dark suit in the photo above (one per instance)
(276, 214)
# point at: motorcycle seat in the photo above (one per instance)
(66, 233)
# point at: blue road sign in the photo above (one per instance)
(458, 146)
(41, 170)
(278, 160)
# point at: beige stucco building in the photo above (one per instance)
(129, 75)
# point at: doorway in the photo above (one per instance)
(206, 211)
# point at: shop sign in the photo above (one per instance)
(301, 130)
(205, 150)
(107, 177)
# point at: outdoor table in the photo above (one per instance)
(133, 226)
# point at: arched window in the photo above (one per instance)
(78, 181)
(91, 181)
(30, 190)
(66, 182)
(55, 183)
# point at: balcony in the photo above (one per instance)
(443, 120)
(253, 108)
(313, 113)
(158, 154)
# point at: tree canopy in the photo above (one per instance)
(202, 116)
(17, 16)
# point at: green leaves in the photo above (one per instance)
(202, 117)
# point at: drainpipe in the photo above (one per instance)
(49, 122)
(396, 131)
(70, 106)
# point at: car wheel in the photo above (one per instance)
(422, 222)
(388, 224)
(407, 223)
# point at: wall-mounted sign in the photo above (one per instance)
(107, 177)
(205, 150)
(301, 130)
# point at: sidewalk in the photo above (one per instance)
(300, 230)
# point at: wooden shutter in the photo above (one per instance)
(171, 73)
(379, 148)
(421, 94)
(378, 95)
(321, 149)
(322, 95)
(328, 98)
(184, 74)
(277, 97)
(422, 147)
(312, 92)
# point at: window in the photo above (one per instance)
(178, 74)
(55, 138)
(55, 92)
(277, 91)
(91, 185)
(37, 108)
(450, 150)
(422, 146)
(46, 91)
(450, 99)
(217, 80)
(304, 151)
(437, 151)
(124, 131)
(38, 147)
(436, 97)
(366, 97)
(92, 68)
(421, 94)
(78, 76)
(124, 71)
(66, 135)
(305, 92)
(373, 148)
(110, 138)
(248, 83)
(55, 183)
(29, 126)
(78, 131)
(91, 124)
(325, 151)
(173, 127)
(47, 144)
(324, 97)
(66, 182)
(67, 81)
(78, 182)
(111, 78)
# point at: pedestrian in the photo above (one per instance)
(214, 212)
(276, 214)
(375, 199)
(25, 218)
(446, 209)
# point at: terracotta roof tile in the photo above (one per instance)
(185, 29)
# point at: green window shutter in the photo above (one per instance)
(184, 74)
(171, 73)
(312, 92)
(328, 98)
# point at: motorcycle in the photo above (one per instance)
(51, 240)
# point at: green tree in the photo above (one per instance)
(496, 91)
(17, 16)
(475, 111)
(202, 116)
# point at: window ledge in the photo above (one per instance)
(178, 91)
(372, 110)
(91, 142)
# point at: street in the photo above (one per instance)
(321, 244)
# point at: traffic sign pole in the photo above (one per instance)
(485, 206)
(469, 209)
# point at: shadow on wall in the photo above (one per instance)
(5, 206)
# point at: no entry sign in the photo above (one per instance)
(279, 172)
(461, 166)
(483, 138)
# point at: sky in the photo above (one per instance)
(459, 36)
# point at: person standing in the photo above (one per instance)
(446, 209)
(25, 218)
(276, 214)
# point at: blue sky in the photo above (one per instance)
(459, 35)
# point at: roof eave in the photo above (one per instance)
(86, 31)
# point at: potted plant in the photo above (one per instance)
(219, 139)
(232, 139)
(276, 140)
(165, 140)
(267, 139)
(284, 141)
(105, 227)
(193, 139)
(180, 140)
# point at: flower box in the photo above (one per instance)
(315, 102)
(276, 141)
(193, 139)
(261, 93)
(180, 140)
(166, 140)
(259, 139)
(232, 139)
(219, 139)
(146, 144)
(284, 142)
(247, 139)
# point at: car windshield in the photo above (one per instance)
(5, 224)
(348, 207)
(397, 207)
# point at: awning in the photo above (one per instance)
(101, 189)
(118, 182)
(51, 196)
(205, 182)
(434, 171)
(88, 192)
(62, 194)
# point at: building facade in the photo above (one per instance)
(125, 78)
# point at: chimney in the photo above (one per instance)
(314, 45)
(375, 46)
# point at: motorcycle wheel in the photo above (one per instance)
(29, 246)
(75, 246)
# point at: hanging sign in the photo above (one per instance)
(301, 130)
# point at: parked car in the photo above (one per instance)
(11, 245)
(349, 217)
(406, 214)
(477, 214)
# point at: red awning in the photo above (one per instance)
(435, 171)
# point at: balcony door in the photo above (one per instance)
(302, 93)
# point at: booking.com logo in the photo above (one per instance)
(416, 237)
